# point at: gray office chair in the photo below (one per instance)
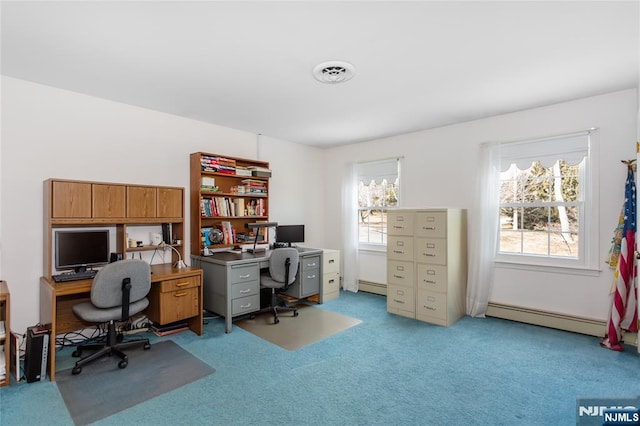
(283, 267)
(119, 291)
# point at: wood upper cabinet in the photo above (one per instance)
(169, 202)
(71, 199)
(141, 201)
(108, 201)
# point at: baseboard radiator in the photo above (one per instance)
(371, 287)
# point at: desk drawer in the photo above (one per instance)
(432, 304)
(400, 248)
(173, 306)
(311, 262)
(245, 305)
(331, 261)
(245, 289)
(179, 284)
(331, 282)
(239, 274)
(432, 277)
(400, 273)
(431, 250)
(401, 300)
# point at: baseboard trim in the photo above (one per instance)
(371, 287)
(565, 322)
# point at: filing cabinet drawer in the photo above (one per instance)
(431, 250)
(400, 222)
(431, 224)
(245, 289)
(311, 262)
(245, 305)
(400, 300)
(432, 304)
(331, 259)
(245, 273)
(179, 284)
(400, 248)
(432, 277)
(331, 282)
(400, 273)
(172, 306)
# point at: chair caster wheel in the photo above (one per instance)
(76, 353)
(123, 364)
(295, 313)
(146, 347)
(276, 320)
(76, 370)
(119, 338)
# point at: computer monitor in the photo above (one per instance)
(288, 234)
(78, 250)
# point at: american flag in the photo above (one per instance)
(624, 310)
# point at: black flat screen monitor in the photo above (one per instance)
(78, 250)
(288, 234)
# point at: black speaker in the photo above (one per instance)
(115, 257)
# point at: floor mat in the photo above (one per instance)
(103, 389)
(291, 333)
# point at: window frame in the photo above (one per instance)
(367, 245)
(588, 220)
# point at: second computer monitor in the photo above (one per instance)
(289, 234)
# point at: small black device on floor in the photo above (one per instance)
(37, 350)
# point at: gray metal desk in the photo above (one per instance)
(231, 281)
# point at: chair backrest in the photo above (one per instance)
(106, 290)
(277, 264)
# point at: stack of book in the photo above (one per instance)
(218, 165)
(259, 171)
(243, 171)
(172, 328)
(254, 186)
(208, 184)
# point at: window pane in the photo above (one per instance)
(510, 241)
(535, 242)
(564, 231)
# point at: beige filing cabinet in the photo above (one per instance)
(426, 264)
(330, 274)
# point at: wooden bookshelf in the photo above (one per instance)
(219, 201)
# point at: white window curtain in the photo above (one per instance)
(483, 227)
(350, 228)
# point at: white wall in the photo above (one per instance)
(47, 132)
(440, 168)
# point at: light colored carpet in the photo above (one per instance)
(291, 333)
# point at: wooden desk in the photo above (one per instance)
(232, 281)
(176, 294)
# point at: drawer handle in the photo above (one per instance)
(311, 276)
(398, 226)
(184, 293)
(399, 301)
(244, 276)
(182, 284)
(331, 281)
(246, 291)
(431, 308)
(248, 305)
(429, 228)
(429, 254)
(311, 264)
(331, 260)
(398, 276)
(399, 251)
(429, 282)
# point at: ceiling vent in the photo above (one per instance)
(333, 72)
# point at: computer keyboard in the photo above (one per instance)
(74, 276)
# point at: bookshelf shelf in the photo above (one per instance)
(235, 191)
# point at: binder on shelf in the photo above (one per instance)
(167, 234)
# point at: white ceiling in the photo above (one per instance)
(247, 65)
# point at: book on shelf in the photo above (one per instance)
(208, 184)
(14, 355)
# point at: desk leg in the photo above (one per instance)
(228, 320)
(48, 314)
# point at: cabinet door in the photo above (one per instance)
(141, 201)
(71, 199)
(108, 201)
(169, 202)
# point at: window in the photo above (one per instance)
(546, 201)
(378, 184)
